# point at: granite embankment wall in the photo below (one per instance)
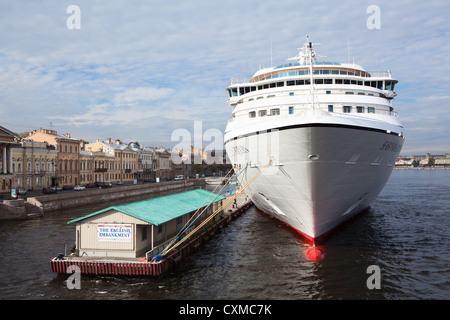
(94, 196)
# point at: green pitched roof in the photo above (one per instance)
(162, 209)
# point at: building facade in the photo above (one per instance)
(68, 156)
(123, 160)
(8, 140)
(34, 165)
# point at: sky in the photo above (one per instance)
(140, 70)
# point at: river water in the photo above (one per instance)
(405, 234)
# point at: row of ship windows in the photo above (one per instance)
(345, 109)
(327, 92)
(382, 85)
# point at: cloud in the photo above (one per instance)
(141, 94)
(140, 70)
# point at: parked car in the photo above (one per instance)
(180, 177)
(57, 188)
(67, 187)
(48, 190)
(79, 187)
(21, 191)
(119, 182)
(90, 185)
(107, 184)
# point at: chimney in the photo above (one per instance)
(108, 141)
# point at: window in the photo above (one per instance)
(339, 81)
(275, 112)
(291, 110)
(330, 108)
(347, 109)
(360, 109)
(290, 83)
(370, 109)
(144, 233)
(252, 114)
(328, 92)
(291, 93)
(262, 113)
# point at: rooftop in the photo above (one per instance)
(162, 209)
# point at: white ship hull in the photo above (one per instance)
(331, 134)
(323, 173)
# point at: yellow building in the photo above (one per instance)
(125, 160)
(68, 159)
(8, 140)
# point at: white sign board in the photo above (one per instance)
(114, 232)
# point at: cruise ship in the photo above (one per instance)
(328, 131)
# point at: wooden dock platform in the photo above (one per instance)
(141, 267)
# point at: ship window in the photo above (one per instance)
(234, 92)
(252, 88)
(330, 108)
(346, 81)
(291, 110)
(380, 85)
(299, 82)
(387, 85)
(353, 81)
(360, 109)
(351, 73)
(251, 99)
(229, 92)
(347, 109)
(360, 83)
(252, 114)
(307, 82)
(280, 84)
(318, 81)
(361, 93)
(270, 96)
(328, 92)
(260, 87)
(257, 98)
(275, 112)
(262, 113)
(349, 92)
(373, 84)
(370, 109)
(342, 72)
(393, 85)
(292, 73)
(291, 93)
(241, 91)
(290, 83)
(334, 71)
(328, 81)
(273, 85)
(339, 81)
(266, 86)
(325, 71)
(367, 83)
(316, 71)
